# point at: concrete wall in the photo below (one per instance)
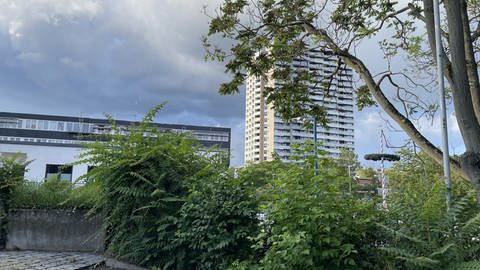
(54, 230)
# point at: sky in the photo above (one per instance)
(86, 57)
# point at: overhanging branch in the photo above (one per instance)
(382, 100)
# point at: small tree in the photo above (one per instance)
(348, 160)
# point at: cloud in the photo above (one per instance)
(433, 128)
(367, 126)
(367, 134)
(87, 57)
(113, 52)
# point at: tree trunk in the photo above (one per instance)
(470, 163)
(462, 98)
(471, 64)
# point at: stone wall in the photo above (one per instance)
(54, 230)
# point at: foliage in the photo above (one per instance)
(11, 175)
(268, 36)
(215, 222)
(348, 161)
(270, 39)
(311, 222)
(144, 179)
(364, 98)
(168, 206)
(416, 170)
(418, 232)
(54, 194)
(259, 174)
(425, 236)
(368, 172)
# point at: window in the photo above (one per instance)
(52, 125)
(31, 124)
(9, 123)
(76, 127)
(86, 128)
(40, 124)
(59, 172)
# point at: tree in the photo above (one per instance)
(368, 172)
(417, 171)
(348, 160)
(267, 35)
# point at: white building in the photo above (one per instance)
(50, 142)
(267, 135)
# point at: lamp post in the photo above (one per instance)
(443, 110)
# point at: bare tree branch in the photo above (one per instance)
(382, 100)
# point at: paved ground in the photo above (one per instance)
(34, 260)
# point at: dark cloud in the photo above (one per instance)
(88, 57)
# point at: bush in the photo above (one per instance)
(440, 241)
(311, 221)
(144, 179)
(216, 222)
(54, 194)
(417, 231)
(11, 175)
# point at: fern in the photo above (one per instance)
(414, 244)
(474, 265)
(472, 224)
(144, 178)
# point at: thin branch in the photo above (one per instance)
(382, 100)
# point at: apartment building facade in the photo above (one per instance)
(267, 135)
(52, 142)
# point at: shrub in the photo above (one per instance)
(311, 221)
(54, 194)
(144, 180)
(216, 222)
(439, 241)
(417, 231)
(11, 175)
